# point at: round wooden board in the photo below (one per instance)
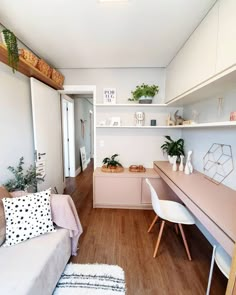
(112, 170)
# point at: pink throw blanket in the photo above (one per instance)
(64, 215)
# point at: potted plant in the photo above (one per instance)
(10, 41)
(23, 180)
(111, 164)
(144, 93)
(173, 148)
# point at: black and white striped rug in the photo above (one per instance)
(91, 279)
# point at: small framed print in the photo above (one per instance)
(109, 95)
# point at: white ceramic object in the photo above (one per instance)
(188, 167)
(170, 159)
(181, 165)
(174, 167)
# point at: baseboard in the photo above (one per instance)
(121, 206)
(77, 172)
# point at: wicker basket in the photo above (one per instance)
(44, 68)
(116, 169)
(29, 57)
(57, 77)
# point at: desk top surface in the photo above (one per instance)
(218, 202)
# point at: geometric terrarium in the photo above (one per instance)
(218, 162)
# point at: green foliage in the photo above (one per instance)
(23, 180)
(173, 148)
(144, 90)
(111, 161)
(12, 49)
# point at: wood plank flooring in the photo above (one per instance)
(118, 236)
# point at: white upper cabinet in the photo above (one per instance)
(226, 51)
(196, 61)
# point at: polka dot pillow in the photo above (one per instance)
(27, 217)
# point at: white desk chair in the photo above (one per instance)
(223, 261)
(169, 211)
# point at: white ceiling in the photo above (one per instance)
(89, 34)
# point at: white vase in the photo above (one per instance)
(181, 165)
(3, 39)
(174, 167)
(145, 99)
(188, 167)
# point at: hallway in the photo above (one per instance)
(119, 236)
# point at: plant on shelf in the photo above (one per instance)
(12, 49)
(111, 162)
(173, 148)
(23, 180)
(144, 93)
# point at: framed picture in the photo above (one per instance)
(83, 158)
(115, 121)
(109, 95)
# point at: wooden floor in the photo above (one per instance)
(117, 236)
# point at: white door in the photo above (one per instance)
(46, 111)
(66, 138)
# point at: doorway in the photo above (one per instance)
(78, 126)
(68, 136)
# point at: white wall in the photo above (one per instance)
(135, 146)
(82, 108)
(15, 121)
(200, 140)
(124, 80)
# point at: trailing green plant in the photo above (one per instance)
(173, 148)
(23, 179)
(144, 90)
(12, 49)
(111, 162)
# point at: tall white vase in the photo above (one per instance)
(188, 166)
(181, 165)
(174, 167)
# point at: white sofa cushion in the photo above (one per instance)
(34, 266)
(27, 217)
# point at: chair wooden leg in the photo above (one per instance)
(185, 241)
(153, 222)
(176, 229)
(159, 238)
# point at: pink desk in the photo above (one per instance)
(214, 205)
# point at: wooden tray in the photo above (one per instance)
(112, 170)
(137, 168)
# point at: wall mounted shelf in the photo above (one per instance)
(130, 105)
(200, 125)
(28, 70)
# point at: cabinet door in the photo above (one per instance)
(162, 189)
(117, 191)
(226, 54)
(196, 61)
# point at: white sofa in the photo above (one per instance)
(33, 267)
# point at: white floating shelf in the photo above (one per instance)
(212, 124)
(200, 125)
(130, 105)
(141, 127)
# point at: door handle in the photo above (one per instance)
(40, 155)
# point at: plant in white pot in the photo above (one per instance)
(23, 180)
(144, 93)
(173, 148)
